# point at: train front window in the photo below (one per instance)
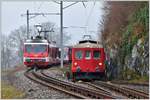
(96, 54)
(35, 48)
(78, 54)
(28, 48)
(87, 55)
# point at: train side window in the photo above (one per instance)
(87, 54)
(78, 54)
(96, 54)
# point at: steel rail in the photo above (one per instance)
(85, 91)
(128, 83)
(97, 87)
(131, 93)
(33, 78)
(142, 92)
(94, 87)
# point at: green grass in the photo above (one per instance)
(134, 76)
(141, 79)
(10, 92)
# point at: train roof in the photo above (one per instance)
(39, 42)
(36, 41)
(88, 44)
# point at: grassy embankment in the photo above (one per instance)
(8, 91)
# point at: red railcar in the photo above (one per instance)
(41, 53)
(36, 53)
(88, 60)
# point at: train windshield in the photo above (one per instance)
(35, 48)
(96, 54)
(78, 54)
(87, 54)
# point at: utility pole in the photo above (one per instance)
(61, 32)
(61, 29)
(35, 14)
(61, 24)
(27, 24)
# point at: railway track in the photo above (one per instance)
(127, 83)
(130, 93)
(84, 92)
(97, 87)
(31, 76)
(88, 92)
(67, 87)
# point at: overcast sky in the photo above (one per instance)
(76, 15)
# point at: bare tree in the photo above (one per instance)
(5, 52)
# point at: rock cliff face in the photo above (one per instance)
(127, 44)
(138, 61)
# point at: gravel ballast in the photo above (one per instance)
(33, 90)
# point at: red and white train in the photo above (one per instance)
(40, 52)
(88, 59)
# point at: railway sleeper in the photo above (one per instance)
(89, 95)
(127, 93)
(68, 88)
(93, 95)
(73, 89)
(130, 94)
(79, 92)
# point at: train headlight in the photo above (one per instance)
(75, 63)
(100, 64)
(24, 59)
(47, 59)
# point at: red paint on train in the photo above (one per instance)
(88, 59)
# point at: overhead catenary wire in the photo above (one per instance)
(56, 2)
(89, 16)
(70, 5)
(36, 10)
(85, 29)
(40, 6)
